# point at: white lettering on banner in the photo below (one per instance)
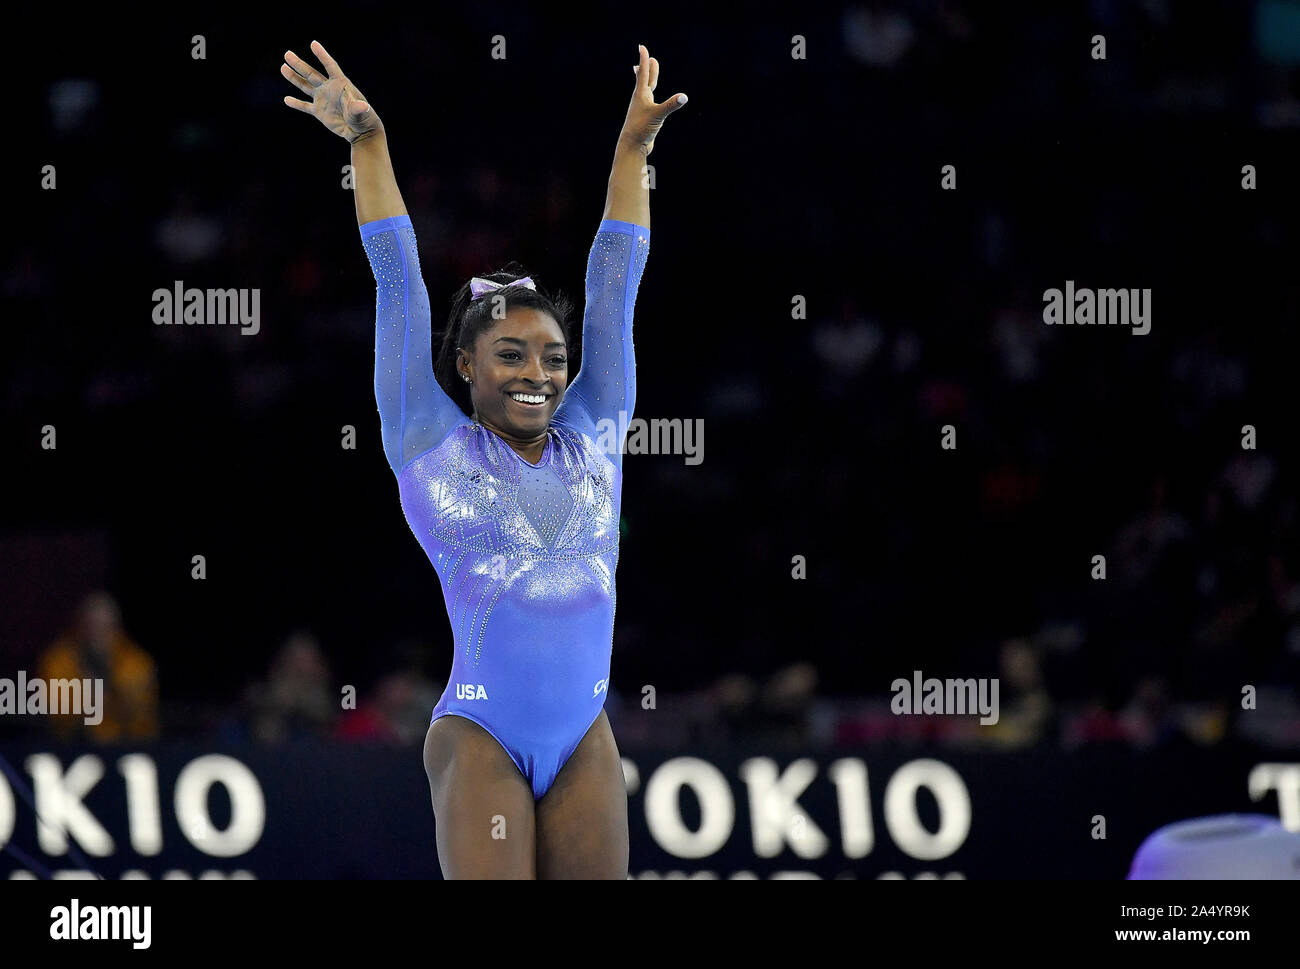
(58, 803)
(787, 812)
(143, 805)
(58, 795)
(247, 806)
(904, 823)
(7, 813)
(857, 837)
(786, 875)
(135, 874)
(1283, 778)
(663, 815)
(775, 816)
(631, 776)
(777, 820)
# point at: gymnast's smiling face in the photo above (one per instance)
(520, 369)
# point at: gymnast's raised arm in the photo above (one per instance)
(628, 196)
(604, 392)
(415, 413)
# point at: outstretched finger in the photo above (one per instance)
(643, 69)
(300, 105)
(654, 74)
(294, 78)
(331, 66)
(303, 69)
(671, 105)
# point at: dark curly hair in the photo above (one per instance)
(469, 318)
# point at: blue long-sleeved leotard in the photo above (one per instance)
(526, 554)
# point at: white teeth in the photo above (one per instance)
(530, 398)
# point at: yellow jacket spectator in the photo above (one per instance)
(98, 648)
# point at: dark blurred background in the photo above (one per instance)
(817, 177)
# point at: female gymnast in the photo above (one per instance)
(504, 483)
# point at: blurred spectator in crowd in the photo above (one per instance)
(296, 699)
(1092, 722)
(1026, 713)
(397, 708)
(786, 702)
(736, 707)
(98, 648)
(1148, 718)
(396, 711)
(728, 706)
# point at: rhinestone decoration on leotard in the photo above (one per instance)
(607, 382)
(471, 494)
(535, 543)
(543, 497)
(415, 411)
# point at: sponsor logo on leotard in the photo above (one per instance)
(601, 687)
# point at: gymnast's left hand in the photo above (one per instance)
(644, 117)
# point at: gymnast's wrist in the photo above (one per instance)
(630, 144)
(377, 134)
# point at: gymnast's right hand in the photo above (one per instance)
(335, 100)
